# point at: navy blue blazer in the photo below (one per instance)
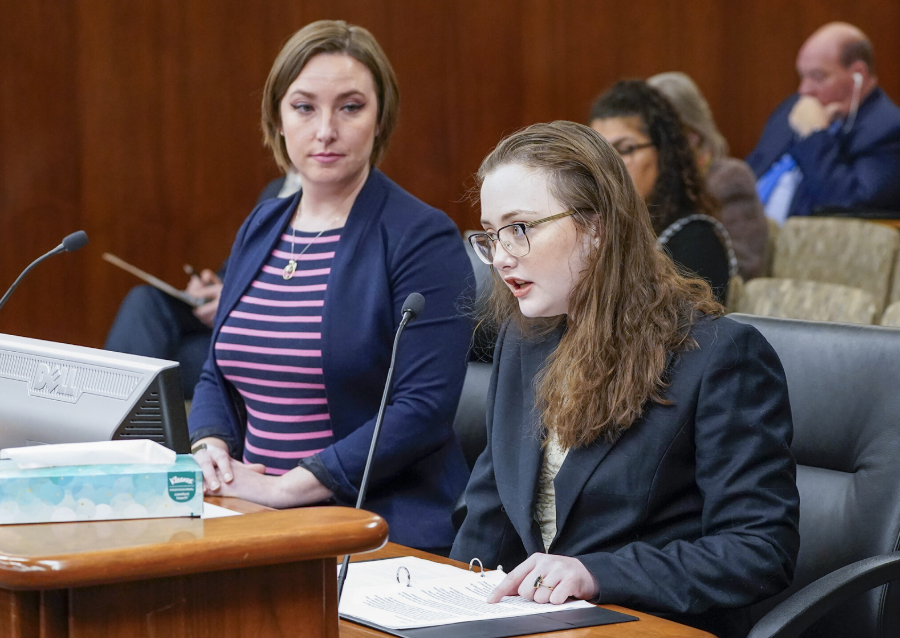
(392, 245)
(858, 168)
(694, 509)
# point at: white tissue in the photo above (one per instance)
(102, 453)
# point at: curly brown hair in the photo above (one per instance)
(629, 308)
(680, 189)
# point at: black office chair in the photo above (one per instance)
(482, 271)
(844, 385)
(469, 423)
(485, 336)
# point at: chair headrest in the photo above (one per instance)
(844, 386)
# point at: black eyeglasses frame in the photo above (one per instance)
(474, 238)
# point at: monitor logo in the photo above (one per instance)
(55, 381)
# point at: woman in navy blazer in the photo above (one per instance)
(638, 442)
(329, 106)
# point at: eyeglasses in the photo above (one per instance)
(625, 151)
(514, 238)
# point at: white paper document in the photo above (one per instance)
(214, 511)
(437, 595)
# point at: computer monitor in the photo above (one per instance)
(59, 393)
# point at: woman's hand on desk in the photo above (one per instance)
(214, 459)
(297, 487)
(560, 578)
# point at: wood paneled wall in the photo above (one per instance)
(138, 121)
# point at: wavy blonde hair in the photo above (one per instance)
(630, 307)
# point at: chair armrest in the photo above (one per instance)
(793, 615)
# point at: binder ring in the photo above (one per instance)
(408, 579)
(471, 568)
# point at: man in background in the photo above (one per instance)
(153, 324)
(837, 141)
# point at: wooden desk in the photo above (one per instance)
(647, 627)
(270, 574)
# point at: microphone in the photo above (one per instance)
(412, 308)
(70, 243)
(414, 305)
(73, 242)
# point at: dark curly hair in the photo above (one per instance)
(679, 190)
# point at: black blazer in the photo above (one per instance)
(693, 510)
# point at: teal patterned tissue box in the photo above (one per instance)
(100, 492)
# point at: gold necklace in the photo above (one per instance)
(291, 267)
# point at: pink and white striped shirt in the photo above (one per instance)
(270, 349)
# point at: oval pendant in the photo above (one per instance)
(289, 269)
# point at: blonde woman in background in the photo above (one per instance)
(729, 180)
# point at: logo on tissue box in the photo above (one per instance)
(55, 381)
(182, 486)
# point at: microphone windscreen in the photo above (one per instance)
(414, 305)
(75, 241)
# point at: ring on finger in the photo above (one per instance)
(539, 582)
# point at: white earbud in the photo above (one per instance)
(854, 102)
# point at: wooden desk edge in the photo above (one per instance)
(349, 531)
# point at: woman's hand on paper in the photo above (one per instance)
(560, 578)
(249, 482)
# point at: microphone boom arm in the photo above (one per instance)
(18, 280)
(364, 484)
(69, 243)
(408, 315)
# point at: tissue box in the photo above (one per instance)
(100, 492)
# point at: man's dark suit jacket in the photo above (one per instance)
(857, 168)
(692, 513)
